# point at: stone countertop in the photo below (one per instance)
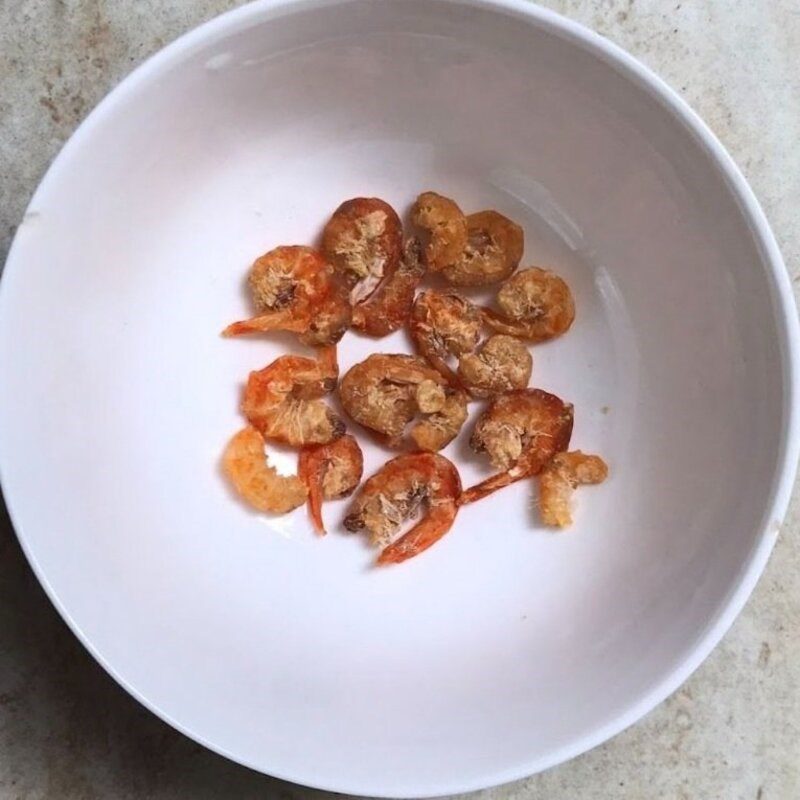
(732, 731)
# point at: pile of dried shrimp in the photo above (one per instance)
(365, 276)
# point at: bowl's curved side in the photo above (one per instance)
(775, 275)
(787, 318)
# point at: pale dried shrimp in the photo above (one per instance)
(558, 480)
(245, 464)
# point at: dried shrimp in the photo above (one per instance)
(282, 401)
(558, 480)
(493, 251)
(445, 229)
(363, 240)
(535, 304)
(395, 492)
(385, 392)
(444, 324)
(330, 471)
(245, 463)
(296, 289)
(520, 431)
(389, 306)
(502, 364)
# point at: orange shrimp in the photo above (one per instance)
(282, 401)
(535, 304)
(330, 471)
(558, 480)
(394, 493)
(364, 241)
(385, 392)
(389, 306)
(520, 431)
(493, 251)
(444, 324)
(246, 466)
(445, 229)
(295, 289)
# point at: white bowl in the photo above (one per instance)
(506, 648)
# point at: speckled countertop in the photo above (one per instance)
(733, 730)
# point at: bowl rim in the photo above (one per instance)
(786, 320)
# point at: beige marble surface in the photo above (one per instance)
(733, 731)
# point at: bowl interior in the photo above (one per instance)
(506, 647)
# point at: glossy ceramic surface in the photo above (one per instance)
(506, 648)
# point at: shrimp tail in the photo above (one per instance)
(309, 469)
(491, 485)
(270, 321)
(422, 536)
(329, 359)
